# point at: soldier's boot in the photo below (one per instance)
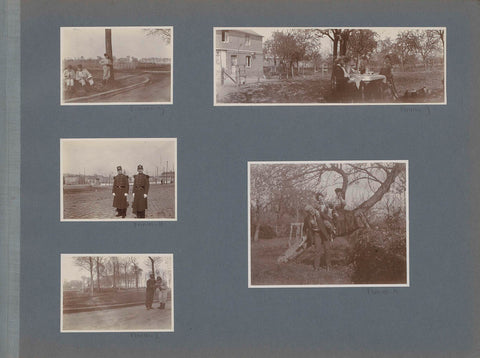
(118, 212)
(163, 306)
(124, 213)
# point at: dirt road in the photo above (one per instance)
(157, 90)
(129, 318)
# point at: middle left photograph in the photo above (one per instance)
(118, 179)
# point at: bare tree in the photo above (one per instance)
(269, 182)
(87, 263)
(136, 270)
(164, 34)
(99, 267)
(423, 42)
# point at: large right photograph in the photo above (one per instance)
(329, 66)
(328, 224)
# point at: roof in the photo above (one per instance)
(250, 32)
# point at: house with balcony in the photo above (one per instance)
(238, 56)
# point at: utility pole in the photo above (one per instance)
(108, 49)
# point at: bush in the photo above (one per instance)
(379, 257)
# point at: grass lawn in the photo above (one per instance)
(74, 299)
(316, 89)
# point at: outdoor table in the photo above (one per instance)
(361, 81)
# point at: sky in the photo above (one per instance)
(72, 272)
(102, 156)
(326, 43)
(89, 42)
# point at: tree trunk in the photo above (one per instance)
(98, 275)
(382, 190)
(108, 49)
(257, 232)
(91, 276)
(153, 265)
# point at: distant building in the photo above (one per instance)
(238, 56)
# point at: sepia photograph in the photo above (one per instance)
(328, 224)
(116, 293)
(334, 66)
(118, 179)
(116, 65)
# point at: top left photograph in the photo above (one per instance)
(116, 65)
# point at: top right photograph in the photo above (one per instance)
(329, 66)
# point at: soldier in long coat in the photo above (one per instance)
(120, 192)
(141, 185)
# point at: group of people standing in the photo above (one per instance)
(322, 223)
(120, 190)
(152, 286)
(80, 77)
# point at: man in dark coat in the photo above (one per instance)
(317, 234)
(150, 292)
(120, 192)
(344, 86)
(141, 185)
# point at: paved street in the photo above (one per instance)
(121, 319)
(96, 203)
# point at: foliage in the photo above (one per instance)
(378, 256)
(361, 43)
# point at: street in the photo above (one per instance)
(121, 319)
(157, 90)
(96, 203)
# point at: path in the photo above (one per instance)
(120, 319)
(157, 90)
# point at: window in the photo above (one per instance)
(247, 40)
(248, 61)
(224, 36)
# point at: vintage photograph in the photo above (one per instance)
(328, 224)
(318, 66)
(116, 65)
(118, 179)
(116, 292)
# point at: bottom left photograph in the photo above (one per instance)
(117, 293)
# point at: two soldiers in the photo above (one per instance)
(141, 186)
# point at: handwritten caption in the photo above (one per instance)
(140, 224)
(144, 335)
(382, 291)
(420, 109)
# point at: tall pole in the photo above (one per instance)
(108, 49)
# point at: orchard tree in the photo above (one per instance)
(361, 43)
(424, 43)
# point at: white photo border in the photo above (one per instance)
(221, 104)
(407, 223)
(120, 331)
(62, 102)
(62, 219)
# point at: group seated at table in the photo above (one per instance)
(350, 83)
